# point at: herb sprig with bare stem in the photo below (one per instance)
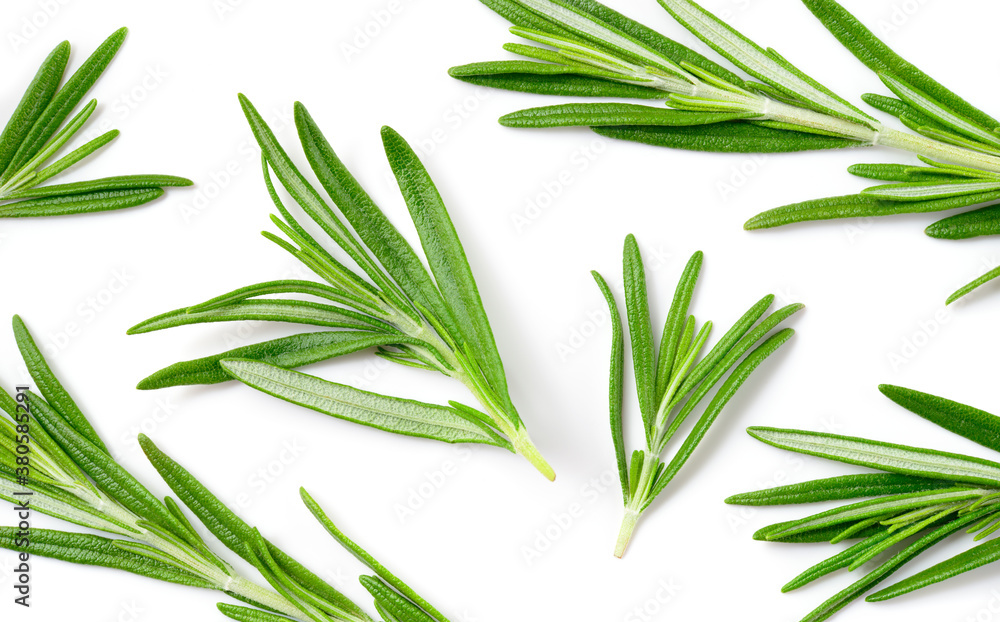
(919, 498)
(72, 476)
(38, 131)
(583, 48)
(673, 380)
(428, 317)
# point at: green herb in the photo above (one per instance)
(921, 497)
(671, 380)
(36, 133)
(431, 319)
(583, 48)
(72, 476)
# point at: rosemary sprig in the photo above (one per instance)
(583, 48)
(71, 476)
(36, 133)
(921, 497)
(671, 380)
(431, 319)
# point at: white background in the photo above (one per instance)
(871, 288)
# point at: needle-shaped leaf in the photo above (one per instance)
(911, 191)
(447, 261)
(77, 155)
(976, 557)
(80, 203)
(391, 414)
(288, 352)
(976, 425)
(877, 56)
(837, 488)
(888, 457)
(676, 318)
(726, 137)
(568, 115)
(859, 206)
(246, 614)
(545, 79)
(640, 331)
(971, 224)
(94, 550)
(834, 563)
(617, 381)
(36, 98)
(367, 559)
(66, 99)
(50, 387)
(124, 182)
(294, 311)
(971, 286)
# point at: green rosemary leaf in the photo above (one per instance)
(887, 457)
(927, 191)
(968, 288)
(837, 488)
(392, 602)
(320, 290)
(36, 98)
(288, 352)
(823, 534)
(365, 558)
(641, 332)
(754, 60)
(271, 310)
(937, 111)
(391, 414)
(545, 79)
(94, 550)
(246, 614)
(65, 100)
(884, 172)
(676, 316)
(617, 381)
(111, 477)
(448, 262)
(50, 387)
(726, 137)
(610, 114)
(856, 589)
(971, 224)
(77, 155)
(80, 203)
(834, 563)
(55, 501)
(393, 252)
(725, 393)
(976, 425)
(976, 557)
(877, 56)
(859, 206)
(141, 182)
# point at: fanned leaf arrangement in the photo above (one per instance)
(71, 476)
(673, 379)
(583, 48)
(38, 131)
(920, 497)
(428, 318)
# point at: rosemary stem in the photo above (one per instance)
(246, 588)
(629, 522)
(637, 502)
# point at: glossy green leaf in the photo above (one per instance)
(640, 332)
(973, 285)
(75, 156)
(391, 414)
(288, 352)
(617, 381)
(268, 310)
(837, 488)
(246, 614)
(976, 557)
(928, 191)
(971, 224)
(976, 425)
(726, 137)
(545, 79)
(80, 203)
(676, 317)
(567, 115)
(106, 184)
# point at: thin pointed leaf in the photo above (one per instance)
(75, 156)
(546, 79)
(976, 425)
(842, 559)
(80, 203)
(392, 602)
(976, 557)
(837, 488)
(971, 224)
(617, 381)
(391, 414)
(569, 115)
(927, 191)
(36, 98)
(106, 184)
(288, 352)
(726, 137)
(246, 614)
(640, 332)
(675, 322)
(968, 288)
(888, 457)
